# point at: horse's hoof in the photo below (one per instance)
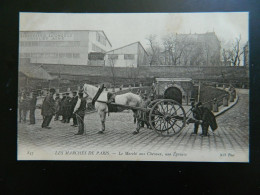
(101, 132)
(135, 132)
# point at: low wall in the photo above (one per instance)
(217, 73)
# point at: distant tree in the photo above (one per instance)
(112, 59)
(235, 53)
(154, 49)
(134, 72)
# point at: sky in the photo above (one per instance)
(125, 28)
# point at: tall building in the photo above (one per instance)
(192, 50)
(70, 47)
(132, 55)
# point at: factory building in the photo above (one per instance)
(70, 47)
(132, 55)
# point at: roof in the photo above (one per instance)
(129, 45)
(34, 71)
(69, 30)
(173, 79)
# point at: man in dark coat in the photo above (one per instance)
(67, 108)
(62, 108)
(57, 106)
(32, 107)
(79, 111)
(48, 109)
(73, 103)
(205, 118)
(23, 106)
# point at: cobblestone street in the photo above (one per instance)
(229, 142)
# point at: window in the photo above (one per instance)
(76, 55)
(49, 43)
(113, 56)
(100, 38)
(129, 56)
(97, 49)
(25, 55)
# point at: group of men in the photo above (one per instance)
(27, 103)
(67, 107)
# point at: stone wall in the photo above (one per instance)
(213, 73)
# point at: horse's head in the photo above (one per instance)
(89, 90)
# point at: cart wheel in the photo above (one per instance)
(153, 102)
(167, 117)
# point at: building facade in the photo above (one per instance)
(132, 55)
(70, 47)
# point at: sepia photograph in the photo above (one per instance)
(133, 87)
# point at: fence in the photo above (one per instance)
(223, 100)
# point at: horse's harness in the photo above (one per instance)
(110, 96)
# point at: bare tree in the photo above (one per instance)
(112, 59)
(155, 49)
(235, 53)
(169, 43)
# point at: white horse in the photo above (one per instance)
(129, 99)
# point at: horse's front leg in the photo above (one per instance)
(103, 120)
(138, 127)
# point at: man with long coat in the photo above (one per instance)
(32, 107)
(67, 108)
(62, 108)
(73, 103)
(23, 107)
(48, 109)
(57, 107)
(205, 118)
(79, 111)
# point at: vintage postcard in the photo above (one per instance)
(134, 87)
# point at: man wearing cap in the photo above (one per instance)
(73, 103)
(204, 117)
(79, 111)
(57, 106)
(48, 109)
(32, 107)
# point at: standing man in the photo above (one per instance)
(48, 109)
(57, 106)
(62, 107)
(32, 107)
(24, 106)
(67, 108)
(79, 111)
(73, 103)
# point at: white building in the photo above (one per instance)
(132, 55)
(63, 46)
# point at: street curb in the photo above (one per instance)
(228, 108)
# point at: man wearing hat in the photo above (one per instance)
(79, 111)
(57, 106)
(73, 103)
(204, 117)
(48, 109)
(32, 107)
(62, 108)
(67, 108)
